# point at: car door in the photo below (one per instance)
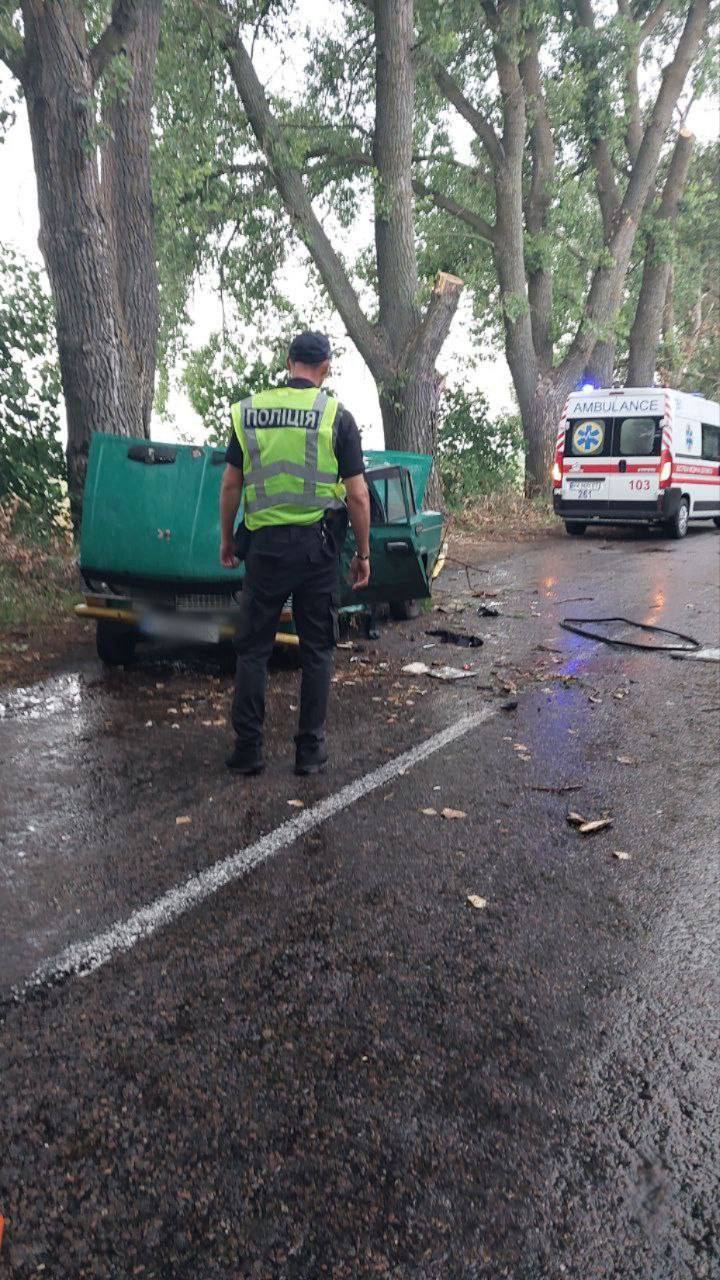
(399, 547)
(634, 482)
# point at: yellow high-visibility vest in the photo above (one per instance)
(290, 466)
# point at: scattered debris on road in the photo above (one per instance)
(580, 627)
(588, 826)
(452, 813)
(460, 638)
(437, 673)
(474, 900)
(625, 760)
(296, 804)
(488, 611)
(702, 655)
(183, 821)
(510, 704)
(621, 855)
(429, 813)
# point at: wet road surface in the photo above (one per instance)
(335, 1066)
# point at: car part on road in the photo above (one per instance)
(437, 673)
(459, 638)
(579, 627)
(488, 611)
(701, 655)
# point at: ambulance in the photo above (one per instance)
(637, 454)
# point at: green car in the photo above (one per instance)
(150, 538)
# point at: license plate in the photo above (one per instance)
(585, 490)
(170, 626)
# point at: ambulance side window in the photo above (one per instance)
(639, 436)
(711, 443)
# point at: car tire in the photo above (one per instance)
(575, 528)
(404, 610)
(677, 527)
(115, 643)
(716, 521)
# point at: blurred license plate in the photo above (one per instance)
(170, 626)
(585, 490)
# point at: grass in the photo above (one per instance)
(506, 515)
(38, 589)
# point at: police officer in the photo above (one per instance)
(297, 454)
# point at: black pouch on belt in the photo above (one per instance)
(242, 538)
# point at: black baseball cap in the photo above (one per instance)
(310, 347)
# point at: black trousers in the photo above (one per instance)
(284, 560)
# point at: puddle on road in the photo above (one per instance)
(60, 695)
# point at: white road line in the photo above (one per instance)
(85, 957)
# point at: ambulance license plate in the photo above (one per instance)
(585, 490)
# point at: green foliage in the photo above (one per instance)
(32, 466)
(219, 374)
(477, 454)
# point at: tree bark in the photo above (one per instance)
(647, 325)
(85, 231)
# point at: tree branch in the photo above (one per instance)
(655, 16)
(295, 196)
(123, 21)
(459, 211)
(605, 178)
(427, 341)
(478, 122)
(539, 196)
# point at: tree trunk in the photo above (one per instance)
(647, 325)
(104, 380)
(127, 193)
(600, 368)
(541, 412)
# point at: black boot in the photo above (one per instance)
(310, 755)
(246, 760)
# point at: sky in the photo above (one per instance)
(351, 379)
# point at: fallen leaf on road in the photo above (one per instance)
(148, 724)
(429, 813)
(2, 1229)
(576, 819)
(182, 822)
(206, 723)
(172, 711)
(625, 760)
(344, 644)
(453, 813)
(520, 746)
(159, 685)
(475, 901)
(598, 824)
(592, 698)
(297, 804)
(621, 855)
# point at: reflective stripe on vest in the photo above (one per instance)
(249, 419)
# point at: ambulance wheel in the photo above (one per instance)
(404, 610)
(115, 643)
(677, 527)
(575, 528)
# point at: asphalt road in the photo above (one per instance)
(329, 1063)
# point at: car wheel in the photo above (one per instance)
(115, 643)
(404, 610)
(678, 526)
(575, 528)
(716, 521)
